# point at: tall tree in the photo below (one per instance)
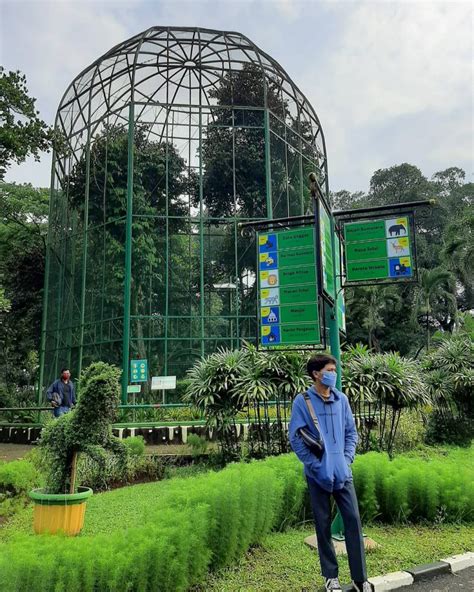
(22, 132)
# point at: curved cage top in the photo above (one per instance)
(178, 66)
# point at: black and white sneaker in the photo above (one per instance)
(362, 586)
(333, 585)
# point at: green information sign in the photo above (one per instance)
(288, 295)
(326, 251)
(341, 307)
(378, 250)
(138, 370)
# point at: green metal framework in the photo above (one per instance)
(170, 140)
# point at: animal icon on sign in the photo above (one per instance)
(269, 261)
(271, 337)
(397, 229)
(271, 300)
(400, 269)
(272, 279)
(397, 247)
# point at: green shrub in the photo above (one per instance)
(187, 525)
(197, 444)
(18, 477)
(411, 488)
(444, 428)
(135, 445)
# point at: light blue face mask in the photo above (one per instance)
(329, 378)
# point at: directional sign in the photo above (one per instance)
(341, 307)
(379, 249)
(326, 251)
(138, 370)
(288, 295)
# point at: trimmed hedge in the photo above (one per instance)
(409, 488)
(201, 521)
(210, 520)
(18, 477)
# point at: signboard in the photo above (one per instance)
(326, 251)
(162, 383)
(379, 250)
(138, 370)
(341, 307)
(134, 388)
(287, 285)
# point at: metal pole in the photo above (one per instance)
(44, 319)
(268, 169)
(128, 256)
(84, 252)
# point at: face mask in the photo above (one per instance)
(329, 378)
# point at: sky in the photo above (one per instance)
(391, 82)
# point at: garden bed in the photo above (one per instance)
(284, 562)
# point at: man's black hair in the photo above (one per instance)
(64, 370)
(317, 363)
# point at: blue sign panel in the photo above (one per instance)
(270, 315)
(400, 267)
(271, 335)
(268, 260)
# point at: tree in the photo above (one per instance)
(23, 229)
(22, 132)
(435, 285)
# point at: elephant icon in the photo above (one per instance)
(396, 229)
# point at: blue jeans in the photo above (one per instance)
(58, 411)
(346, 501)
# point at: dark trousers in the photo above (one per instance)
(346, 501)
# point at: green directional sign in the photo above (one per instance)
(287, 286)
(138, 370)
(326, 252)
(341, 307)
(379, 250)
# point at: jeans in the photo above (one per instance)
(58, 411)
(346, 501)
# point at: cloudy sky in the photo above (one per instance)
(392, 82)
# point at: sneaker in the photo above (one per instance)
(333, 585)
(362, 586)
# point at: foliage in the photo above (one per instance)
(444, 428)
(197, 444)
(284, 562)
(449, 372)
(380, 387)
(22, 132)
(23, 227)
(85, 429)
(18, 476)
(212, 519)
(135, 445)
(16, 479)
(409, 489)
(228, 383)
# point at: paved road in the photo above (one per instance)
(463, 580)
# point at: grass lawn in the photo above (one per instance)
(283, 562)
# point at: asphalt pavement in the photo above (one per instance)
(462, 580)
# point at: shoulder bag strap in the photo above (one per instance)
(311, 412)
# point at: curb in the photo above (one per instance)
(400, 579)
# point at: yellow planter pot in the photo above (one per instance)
(59, 512)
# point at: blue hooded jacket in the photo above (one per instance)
(339, 435)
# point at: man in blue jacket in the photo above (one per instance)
(62, 394)
(331, 474)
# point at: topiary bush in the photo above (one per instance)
(86, 429)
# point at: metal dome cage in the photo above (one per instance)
(168, 141)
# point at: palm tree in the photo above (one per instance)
(370, 304)
(434, 284)
(458, 252)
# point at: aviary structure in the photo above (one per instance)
(169, 140)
